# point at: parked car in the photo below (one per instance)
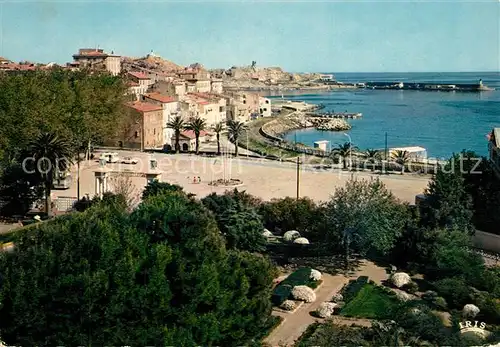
(109, 157)
(129, 160)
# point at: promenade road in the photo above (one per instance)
(263, 178)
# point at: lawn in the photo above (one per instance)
(370, 302)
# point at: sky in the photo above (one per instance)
(299, 36)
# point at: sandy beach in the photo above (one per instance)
(263, 178)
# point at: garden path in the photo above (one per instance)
(295, 324)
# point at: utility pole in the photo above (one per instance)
(386, 149)
(298, 177)
(78, 177)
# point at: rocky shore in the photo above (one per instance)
(279, 127)
(334, 125)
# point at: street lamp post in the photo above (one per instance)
(350, 150)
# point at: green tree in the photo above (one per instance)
(304, 215)
(482, 184)
(402, 158)
(197, 125)
(52, 156)
(177, 124)
(218, 129)
(160, 276)
(366, 217)
(237, 220)
(235, 130)
(18, 190)
(157, 188)
(242, 228)
(343, 151)
(81, 106)
(447, 204)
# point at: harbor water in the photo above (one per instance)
(443, 122)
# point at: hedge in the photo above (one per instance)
(297, 278)
(353, 288)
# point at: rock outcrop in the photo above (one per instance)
(334, 125)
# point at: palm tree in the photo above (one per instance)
(177, 124)
(235, 130)
(197, 125)
(218, 128)
(343, 151)
(51, 156)
(372, 156)
(401, 158)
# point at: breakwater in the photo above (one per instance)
(337, 115)
(435, 86)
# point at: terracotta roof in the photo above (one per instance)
(161, 98)
(139, 75)
(190, 134)
(13, 66)
(4, 59)
(144, 106)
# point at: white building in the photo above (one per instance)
(264, 107)
(414, 152)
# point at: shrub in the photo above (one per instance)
(291, 235)
(301, 241)
(338, 298)
(401, 295)
(315, 275)
(299, 277)
(326, 309)
(281, 293)
(489, 309)
(454, 290)
(470, 311)
(429, 295)
(267, 233)
(303, 293)
(288, 305)
(353, 287)
(440, 303)
(411, 288)
(399, 279)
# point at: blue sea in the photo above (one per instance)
(442, 122)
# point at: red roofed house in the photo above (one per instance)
(170, 107)
(139, 83)
(187, 140)
(145, 126)
(4, 60)
(98, 59)
(211, 108)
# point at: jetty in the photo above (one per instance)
(342, 115)
(461, 87)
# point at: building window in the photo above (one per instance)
(154, 131)
(244, 101)
(136, 134)
(267, 101)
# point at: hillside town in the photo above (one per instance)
(159, 91)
